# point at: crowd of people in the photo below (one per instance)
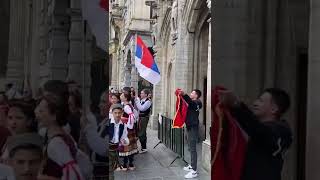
(53, 136)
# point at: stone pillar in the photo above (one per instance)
(313, 123)
(157, 91)
(43, 39)
(114, 69)
(15, 66)
(230, 46)
(134, 70)
(123, 73)
(57, 53)
(35, 48)
(206, 146)
(75, 58)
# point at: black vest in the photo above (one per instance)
(146, 112)
(108, 130)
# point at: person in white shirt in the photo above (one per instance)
(107, 136)
(144, 107)
(118, 135)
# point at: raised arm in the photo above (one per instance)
(143, 107)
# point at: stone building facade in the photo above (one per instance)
(45, 41)
(179, 32)
(259, 44)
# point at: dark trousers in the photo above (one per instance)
(126, 159)
(193, 134)
(142, 131)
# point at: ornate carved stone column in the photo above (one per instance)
(15, 66)
(313, 124)
(75, 57)
(43, 39)
(206, 146)
(134, 71)
(57, 53)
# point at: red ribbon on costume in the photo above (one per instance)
(67, 168)
(228, 142)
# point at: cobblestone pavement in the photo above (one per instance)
(155, 164)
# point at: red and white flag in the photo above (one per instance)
(96, 12)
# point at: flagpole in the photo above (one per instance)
(136, 70)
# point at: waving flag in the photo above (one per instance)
(228, 142)
(181, 111)
(145, 63)
(96, 13)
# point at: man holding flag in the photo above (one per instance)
(269, 137)
(192, 124)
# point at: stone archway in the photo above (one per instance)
(197, 23)
(197, 17)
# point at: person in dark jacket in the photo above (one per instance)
(269, 136)
(192, 124)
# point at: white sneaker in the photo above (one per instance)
(191, 174)
(187, 168)
(143, 151)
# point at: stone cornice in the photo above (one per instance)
(132, 32)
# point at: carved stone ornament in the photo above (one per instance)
(174, 19)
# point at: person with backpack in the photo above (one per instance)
(143, 104)
(129, 119)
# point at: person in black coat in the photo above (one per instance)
(192, 124)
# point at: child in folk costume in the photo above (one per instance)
(97, 136)
(128, 118)
(118, 135)
(51, 113)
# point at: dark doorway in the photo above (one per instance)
(4, 35)
(99, 80)
(205, 107)
(302, 112)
